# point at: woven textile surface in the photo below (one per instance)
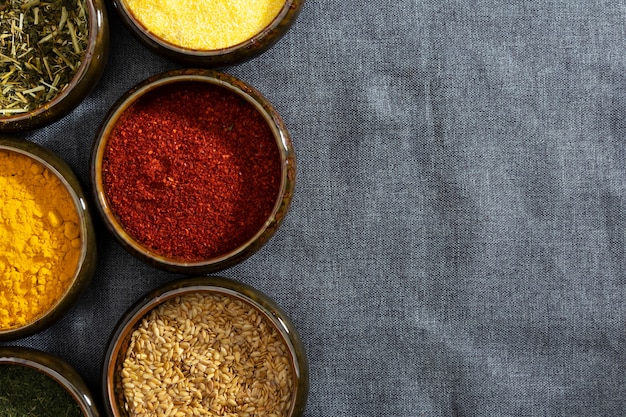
(456, 243)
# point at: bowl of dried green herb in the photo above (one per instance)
(193, 171)
(36, 383)
(209, 34)
(52, 54)
(205, 346)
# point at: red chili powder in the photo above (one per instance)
(191, 171)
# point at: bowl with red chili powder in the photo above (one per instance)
(193, 171)
(211, 34)
(205, 345)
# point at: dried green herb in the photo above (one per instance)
(42, 45)
(26, 392)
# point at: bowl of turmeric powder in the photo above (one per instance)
(209, 34)
(47, 238)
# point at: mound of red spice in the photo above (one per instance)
(191, 171)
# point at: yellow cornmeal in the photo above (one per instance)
(39, 239)
(205, 24)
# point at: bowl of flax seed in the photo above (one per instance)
(206, 346)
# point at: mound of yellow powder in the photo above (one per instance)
(205, 25)
(39, 239)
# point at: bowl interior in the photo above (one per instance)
(121, 341)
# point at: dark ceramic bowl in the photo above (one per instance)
(216, 58)
(87, 261)
(54, 368)
(281, 201)
(113, 390)
(84, 80)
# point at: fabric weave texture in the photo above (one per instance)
(456, 242)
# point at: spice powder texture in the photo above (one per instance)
(207, 355)
(40, 241)
(191, 171)
(205, 25)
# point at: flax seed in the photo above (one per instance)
(207, 354)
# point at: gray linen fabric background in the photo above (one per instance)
(457, 238)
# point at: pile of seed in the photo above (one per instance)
(207, 354)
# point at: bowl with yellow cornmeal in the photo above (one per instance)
(209, 34)
(47, 239)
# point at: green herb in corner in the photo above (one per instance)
(26, 392)
(42, 45)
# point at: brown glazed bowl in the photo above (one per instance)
(215, 58)
(88, 257)
(112, 387)
(84, 80)
(54, 368)
(281, 138)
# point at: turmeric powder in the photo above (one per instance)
(40, 242)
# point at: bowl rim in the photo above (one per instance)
(209, 284)
(130, 18)
(65, 174)
(96, 19)
(281, 137)
(54, 368)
